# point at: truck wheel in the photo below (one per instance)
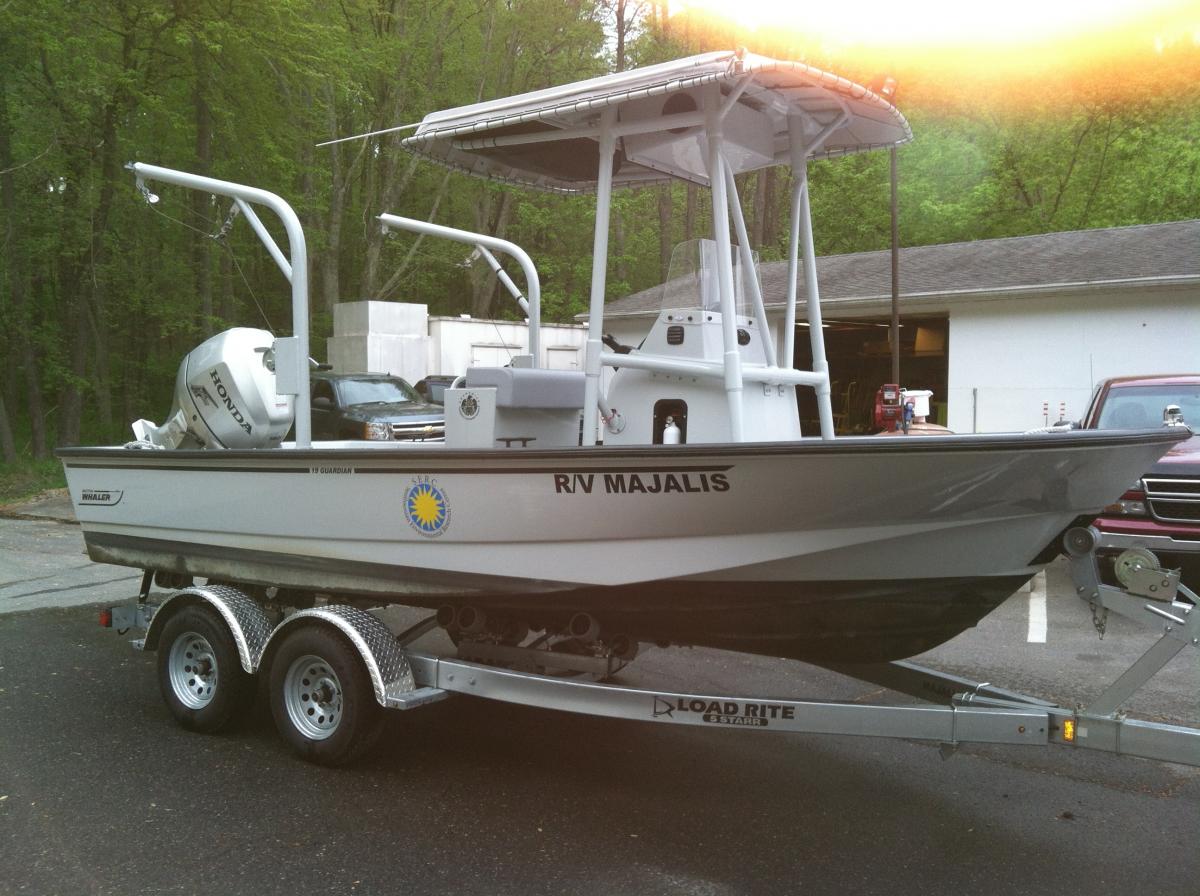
(199, 673)
(322, 699)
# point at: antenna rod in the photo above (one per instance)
(399, 127)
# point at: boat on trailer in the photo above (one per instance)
(663, 494)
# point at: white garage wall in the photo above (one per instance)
(460, 341)
(1009, 356)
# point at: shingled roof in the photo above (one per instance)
(1145, 253)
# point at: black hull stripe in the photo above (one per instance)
(571, 457)
(218, 467)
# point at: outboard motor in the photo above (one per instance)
(225, 397)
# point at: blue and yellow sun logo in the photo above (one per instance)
(426, 508)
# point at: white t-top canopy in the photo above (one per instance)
(549, 138)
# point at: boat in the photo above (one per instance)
(664, 494)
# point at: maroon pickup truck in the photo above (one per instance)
(1161, 511)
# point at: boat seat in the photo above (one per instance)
(530, 387)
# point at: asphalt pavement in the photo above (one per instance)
(101, 793)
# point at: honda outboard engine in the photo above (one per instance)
(225, 397)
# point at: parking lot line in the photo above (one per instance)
(1037, 609)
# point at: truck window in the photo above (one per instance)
(1141, 407)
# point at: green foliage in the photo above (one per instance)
(101, 294)
(29, 477)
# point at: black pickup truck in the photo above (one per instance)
(372, 406)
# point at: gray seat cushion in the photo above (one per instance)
(529, 387)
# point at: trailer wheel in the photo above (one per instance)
(322, 699)
(201, 678)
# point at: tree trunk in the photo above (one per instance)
(201, 245)
(308, 215)
(132, 378)
(229, 309)
(618, 238)
(11, 316)
(71, 403)
(95, 311)
(664, 231)
(491, 216)
(8, 450)
(33, 400)
(331, 258)
(770, 230)
(758, 230)
(11, 393)
(65, 290)
(621, 25)
(689, 212)
(392, 184)
(31, 369)
(393, 187)
(92, 295)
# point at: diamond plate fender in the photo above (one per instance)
(248, 623)
(391, 674)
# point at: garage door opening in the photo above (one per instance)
(860, 361)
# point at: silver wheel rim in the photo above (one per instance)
(192, 668)
(312, 694)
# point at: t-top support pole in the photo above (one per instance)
(720, 208)
(801, 232)
(747, 257)
(593, 350)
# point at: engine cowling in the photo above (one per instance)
(225, 397)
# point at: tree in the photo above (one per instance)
(101, 294)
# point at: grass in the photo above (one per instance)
(27, 478)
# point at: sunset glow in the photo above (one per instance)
(948, 22)
(961, 32)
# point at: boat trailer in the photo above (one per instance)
(333, 668)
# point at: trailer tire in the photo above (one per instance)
(322, 699)
(200, 673)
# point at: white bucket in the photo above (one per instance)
(919, 398)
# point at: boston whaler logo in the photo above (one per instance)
(426, 507)
(722, 712)
(227, 400)
(103, 497)
(469, 406)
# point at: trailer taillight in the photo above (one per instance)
(106, 617)
(1069, 731)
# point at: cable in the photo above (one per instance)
(253, 297)
(181, 223)
(221, 238)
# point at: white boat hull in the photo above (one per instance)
(769, 547)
